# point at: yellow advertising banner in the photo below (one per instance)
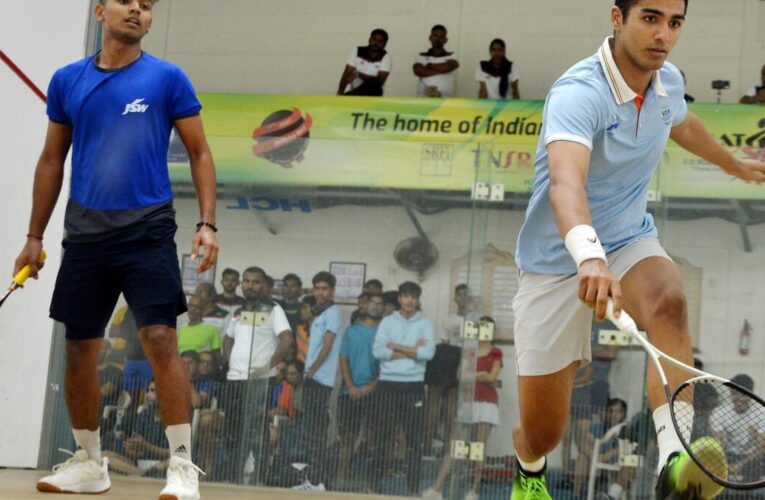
(436, 144)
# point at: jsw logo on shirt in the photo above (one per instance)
(136, 107)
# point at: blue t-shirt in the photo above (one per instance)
(357, 346)
(121, 123)
(329, 320)
(592, 105)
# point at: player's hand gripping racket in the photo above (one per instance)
(715, 411)
(20, 278)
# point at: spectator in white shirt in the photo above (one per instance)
(436, 67)
(367, 67)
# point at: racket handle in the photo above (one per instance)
(22, 275)
(624, 322)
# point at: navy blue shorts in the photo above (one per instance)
(140, 261)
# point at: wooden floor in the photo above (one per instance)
(18, 484)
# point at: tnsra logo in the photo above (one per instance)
(136, 107)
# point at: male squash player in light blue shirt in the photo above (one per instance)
(587, 234)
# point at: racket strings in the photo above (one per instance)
(727, 430)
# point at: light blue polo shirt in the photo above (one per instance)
(591, 104)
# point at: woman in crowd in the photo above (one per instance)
(497, 77)
(479, 411)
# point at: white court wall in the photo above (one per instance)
(40, 36)
(300, 46)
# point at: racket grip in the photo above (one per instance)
(624, 322)
(22, 275)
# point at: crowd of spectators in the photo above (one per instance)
(369, 66)
(278, 377)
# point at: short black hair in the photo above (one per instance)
(297, 364)
(229, 271)
(363, 295)
(381, 32)
(191, 354)
(376, 295)
(374, 282)
(292, 277)
(438, 27)
(744, 381)
(499, 42)
(618, 401)
(411, 288)
(391, 297)
(309, 300)
(626, 5)
(255, 270)
(460, 287)
(324, 277)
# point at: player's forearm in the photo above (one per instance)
(569, 203)
(694, 137)
(203, 175)
(49, 176)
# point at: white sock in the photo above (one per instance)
(666, 435)
(90, 441)
(615, 491)
(532, 467)
(179, 437)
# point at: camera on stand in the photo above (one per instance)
(719, 86)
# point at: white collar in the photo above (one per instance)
(621, 91)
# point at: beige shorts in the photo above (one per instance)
(552, 326)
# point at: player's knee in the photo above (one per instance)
(159, 343)
(670, 306)
(80, 355)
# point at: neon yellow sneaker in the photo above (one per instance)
(530, 487)
(682, 478)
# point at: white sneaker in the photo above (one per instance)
(432, 494)
(308, 486)
(182, 480)
(78, 474)
(471, 495)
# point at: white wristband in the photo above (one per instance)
(583, 244)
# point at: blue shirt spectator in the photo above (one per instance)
(357, 347)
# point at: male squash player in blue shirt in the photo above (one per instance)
(587, 234)
(116, 109)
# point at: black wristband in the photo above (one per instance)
(203, 223)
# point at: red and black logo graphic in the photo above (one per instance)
(282, 138)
